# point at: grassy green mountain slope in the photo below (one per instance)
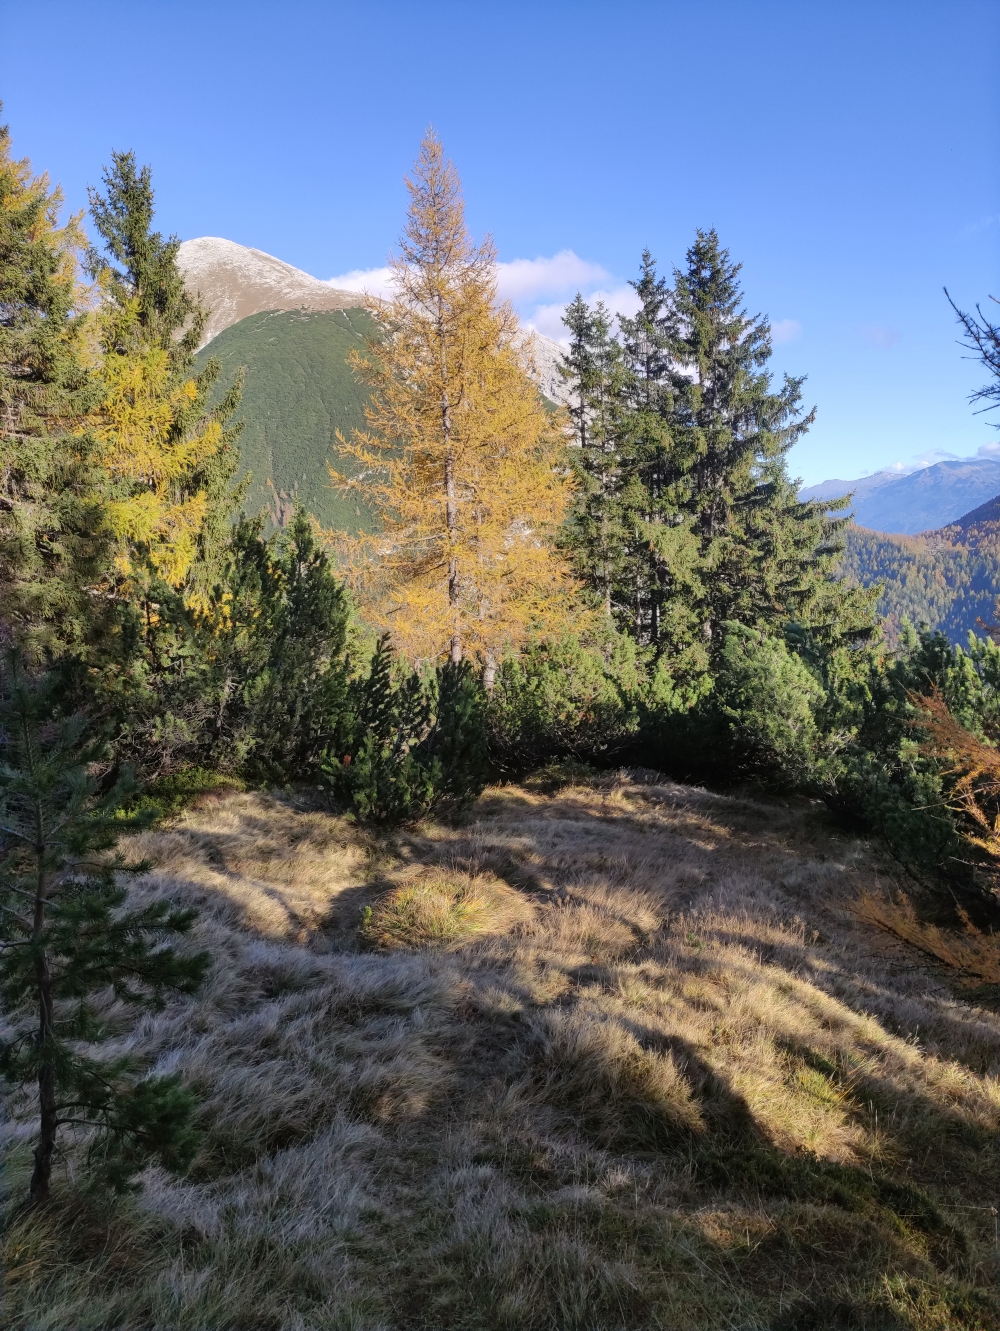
(299, 390)
(624, 1055)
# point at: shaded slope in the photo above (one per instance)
(929, 580)
(947, 579)
(299, 391)
(982, 525)
(688, 1088)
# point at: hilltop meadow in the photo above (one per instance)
(613, 1053)
(537, 891)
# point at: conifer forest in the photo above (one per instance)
(567, 902)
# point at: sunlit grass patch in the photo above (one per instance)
(621, 1094)
(443, 911)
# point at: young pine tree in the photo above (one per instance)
(67, 935)
(51, 544)
(460, 462)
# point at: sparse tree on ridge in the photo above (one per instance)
(460, 462)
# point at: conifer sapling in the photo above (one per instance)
(67, 937)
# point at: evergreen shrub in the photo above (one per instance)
(411, 744)
(768, 699)
(563, 698)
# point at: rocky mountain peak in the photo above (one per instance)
(236, 281)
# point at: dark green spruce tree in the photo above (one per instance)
(766, 556)
(663, 578)
(594, 372)
(137, 264)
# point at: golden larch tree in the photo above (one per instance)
(151, 460)
(167, 456)
(461, 462)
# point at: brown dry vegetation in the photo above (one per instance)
(624, 1055)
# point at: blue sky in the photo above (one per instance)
(847, 153)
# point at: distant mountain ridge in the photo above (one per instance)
(918, 501)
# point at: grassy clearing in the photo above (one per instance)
(611, 1055)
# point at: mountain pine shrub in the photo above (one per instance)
(564, 697)
(413, 744)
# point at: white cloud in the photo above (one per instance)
(547, 319)
(973, 228)
(518, 280)
(524, 282)
(988, 451)
(881, 336)
(785, 330)
(375, 281)
(565, 272)
(619, 300)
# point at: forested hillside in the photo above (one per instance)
(947, 580)
(299, 390)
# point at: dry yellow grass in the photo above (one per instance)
(443, 910)
(622, 1056)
